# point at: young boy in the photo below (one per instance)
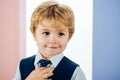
(52, 26)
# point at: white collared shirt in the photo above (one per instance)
(77, 75)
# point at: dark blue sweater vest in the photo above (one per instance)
(63, 71)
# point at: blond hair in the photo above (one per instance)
(53, 11)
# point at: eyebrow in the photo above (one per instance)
(44, 30)
(59, 30)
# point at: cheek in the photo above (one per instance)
(64, 43)
(40, 42)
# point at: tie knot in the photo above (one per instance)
(45, 63)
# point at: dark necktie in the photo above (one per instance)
(45, 63)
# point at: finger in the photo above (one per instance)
(41, 68)
(47, 70)
(47, 79)
(45, 76)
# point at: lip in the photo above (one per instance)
(53, 47)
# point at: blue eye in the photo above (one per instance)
(61, 34)
(46, 33)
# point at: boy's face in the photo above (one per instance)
(50, 40)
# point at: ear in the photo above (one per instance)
(35, 37)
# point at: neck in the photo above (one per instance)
(46, 56)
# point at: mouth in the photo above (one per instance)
(53, 47)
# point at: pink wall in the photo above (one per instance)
(12, 37)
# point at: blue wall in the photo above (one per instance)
(106, 40)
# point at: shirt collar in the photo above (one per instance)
(55, 60)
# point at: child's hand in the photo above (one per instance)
(42, 73)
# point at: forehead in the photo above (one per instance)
(52, 24)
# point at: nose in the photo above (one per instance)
(53, 39)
